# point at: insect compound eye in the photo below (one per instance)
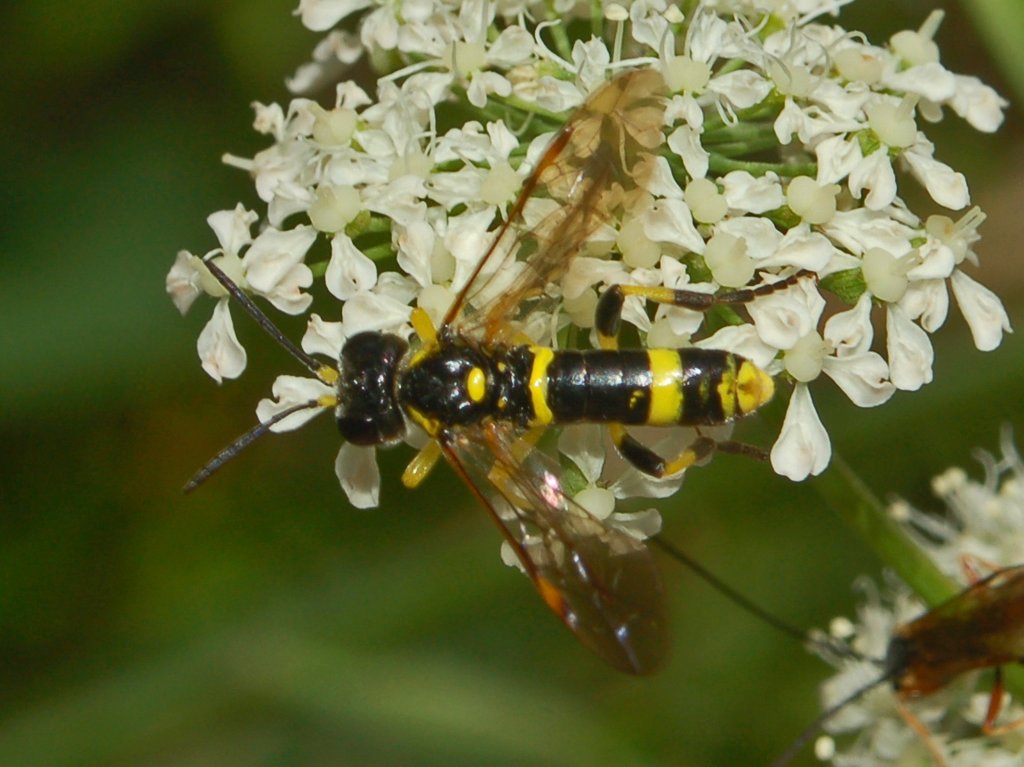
(368, 412)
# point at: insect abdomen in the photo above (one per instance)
(656, 387)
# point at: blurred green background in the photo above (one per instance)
(261, 621)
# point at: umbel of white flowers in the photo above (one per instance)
(785, 139)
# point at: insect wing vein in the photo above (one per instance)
(593, 168)
(600, 581)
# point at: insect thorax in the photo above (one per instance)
(457, 383)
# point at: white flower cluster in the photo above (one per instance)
(784, 140)
(984, 521)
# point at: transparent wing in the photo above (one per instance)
(593, 170)
(602, 582)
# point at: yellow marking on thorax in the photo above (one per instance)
(666, 387)
(476, 385)
(542, 357)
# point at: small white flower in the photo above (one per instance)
(219, 351)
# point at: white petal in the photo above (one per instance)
(583, 445)
(357, 471)
(232, 227)
(416, 250)
(319, 15)
(323, 337)
(685, 142)
(639, 524)
(978, 103)
(945, 185)
(784, 317)
(585, 271)
(288, 296)
(802, 248)
(837, 157)
(219, 351)
(864, 378)
(288, 392)
(349, 270)
(369, 311)
(803, 447)
(851, 332)
(931, 80)
(909, 349)
(983, 311)
(271, 261)
(670, 220)
(926, 301)
(182, 283)
(875, 174)
(743, 88)
(752, 194)
(937, 261)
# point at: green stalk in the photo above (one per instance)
(856, 505)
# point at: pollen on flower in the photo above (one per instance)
(884, 274)
(500, 185)
(815, 203)
(334, 127)
(805, 360)
(707, 204)
(637, 250)
(334, 207)
(857, 64)
(726, 257)
(918, 47)
(684, 75)
(581, 308)
(894, 124)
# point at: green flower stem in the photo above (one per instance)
(735, 133)
(866, 514)
(744, 147)
(721, 165)
(558, 34)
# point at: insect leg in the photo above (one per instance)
(923, 733)
(995, 705)
(421, 465)
(652, 464)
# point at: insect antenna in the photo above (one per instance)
(812, 729)
(814, 640)
(244, 441)
(325, 373)
(818, 642)
(321, 371)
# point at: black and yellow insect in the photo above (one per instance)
(481, 390)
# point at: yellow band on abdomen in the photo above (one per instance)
(666, 387)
